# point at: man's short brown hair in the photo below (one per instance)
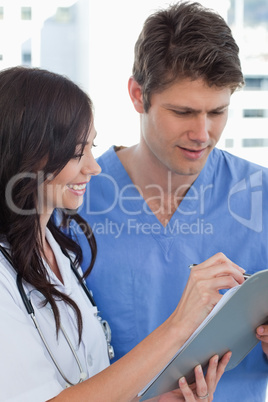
(185, 40)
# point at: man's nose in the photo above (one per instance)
(200, 129)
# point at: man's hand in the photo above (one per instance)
(262, 335)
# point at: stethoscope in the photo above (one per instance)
(30, 310)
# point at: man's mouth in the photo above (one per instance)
(193, 153)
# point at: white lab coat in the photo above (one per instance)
(27, 372)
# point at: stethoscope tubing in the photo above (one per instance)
(30, 310)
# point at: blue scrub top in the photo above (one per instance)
(142, 267)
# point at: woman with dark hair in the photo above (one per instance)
(51, 336)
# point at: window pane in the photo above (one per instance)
(26, 13)
(255, 142)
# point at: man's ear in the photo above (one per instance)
(135, 93)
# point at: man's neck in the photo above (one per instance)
(162, 189)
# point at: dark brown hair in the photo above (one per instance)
(185, 40)
(43, 116)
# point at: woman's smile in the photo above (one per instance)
(78, 188)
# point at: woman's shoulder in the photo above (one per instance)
(9, 294)
(7, 271)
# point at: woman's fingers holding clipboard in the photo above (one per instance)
(204, 386)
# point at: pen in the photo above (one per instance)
(245, 275)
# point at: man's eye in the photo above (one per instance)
(217, 112)
(181, 113)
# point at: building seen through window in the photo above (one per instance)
(26, 13)
(246, 133)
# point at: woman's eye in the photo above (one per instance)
(78, 156)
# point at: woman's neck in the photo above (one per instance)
(48, 253)
(50, 258)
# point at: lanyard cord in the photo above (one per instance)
(105, 325)
(80, 279)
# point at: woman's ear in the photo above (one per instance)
(135, 93)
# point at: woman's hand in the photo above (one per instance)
(127, 376)
(201, 292)
(204, 387)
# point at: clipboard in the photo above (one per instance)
(230, 326)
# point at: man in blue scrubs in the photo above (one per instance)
(174, 199)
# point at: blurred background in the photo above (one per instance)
(92, 43)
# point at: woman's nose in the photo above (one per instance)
(90, 167)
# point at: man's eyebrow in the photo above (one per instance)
(190, 109)
(221, 107)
